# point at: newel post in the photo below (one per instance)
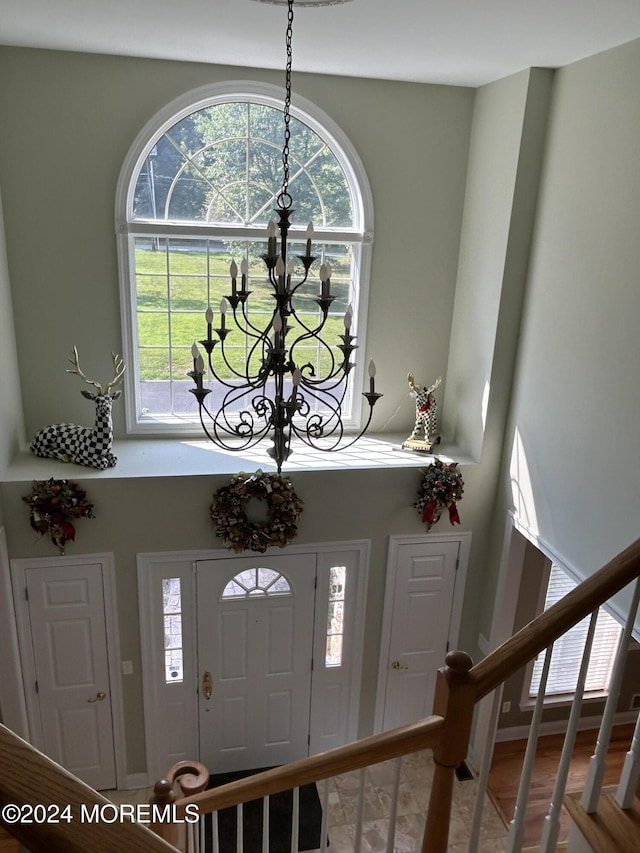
(454, 701)
(163, 796)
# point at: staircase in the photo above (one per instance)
(610, 829)
(602, 820)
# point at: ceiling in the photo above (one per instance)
(454, 42)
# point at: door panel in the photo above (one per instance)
(257, 643)
(421, 612)
(68, 630)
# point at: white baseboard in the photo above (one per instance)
(557, 727)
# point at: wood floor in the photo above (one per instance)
(504, 777)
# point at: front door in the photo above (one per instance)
(255, 618)
(420, 605)
(68, 631)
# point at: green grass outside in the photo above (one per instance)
(181, 279)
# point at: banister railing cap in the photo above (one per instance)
(458, 662)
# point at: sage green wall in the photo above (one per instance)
(577, 404)
(11, 423)
(576, 409)
(505, 161)
(68, 121)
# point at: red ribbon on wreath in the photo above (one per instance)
(428, 512)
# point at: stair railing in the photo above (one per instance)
(459, 687)
(51, 811)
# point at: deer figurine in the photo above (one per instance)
(83, 445)
(426, 416)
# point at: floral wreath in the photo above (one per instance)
(54, 505)
(442, 486)
(228, 512)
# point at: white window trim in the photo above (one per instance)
(556, 700)
(353, 167)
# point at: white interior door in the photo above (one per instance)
(255, 618)
(68, 631)
(418, 616)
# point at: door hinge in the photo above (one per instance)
(37, 690)
(457, 563)
(447, 645)
(26, 593)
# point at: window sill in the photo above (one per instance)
(565, 700)
(193, 457)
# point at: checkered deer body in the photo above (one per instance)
(84, 445)
(426, 409)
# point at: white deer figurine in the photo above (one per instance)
(83, 445)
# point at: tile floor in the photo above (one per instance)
(415, 782)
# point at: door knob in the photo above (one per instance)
(397, 665)
(98, 697)
(207, 685)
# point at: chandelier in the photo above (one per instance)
(277, 394)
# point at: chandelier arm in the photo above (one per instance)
(245, 428)
(297, 287)
(216, 375)
(337, 445)
(310, 332)
(249, 330)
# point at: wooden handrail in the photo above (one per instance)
(29, 778)
(524, 646)
(363, 753)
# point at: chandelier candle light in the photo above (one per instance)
(286, 396)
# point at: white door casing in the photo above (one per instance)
(425, 582)
(257, 645)
(172, 705)
(69, 651)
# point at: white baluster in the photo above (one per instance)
(295, 820)
(551, 828)
(265, 824)
(325, 814)
(215, 835)
(239, 828)
(630, 775)
(516, 827)
(357, 845)
(597, 765)
(485, 768)
(394, 805)
(201, 829)
(194, 834)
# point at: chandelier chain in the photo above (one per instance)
(284, 200)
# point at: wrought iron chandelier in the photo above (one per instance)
(283, 396)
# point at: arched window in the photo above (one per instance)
(197, 190)
(257, 582)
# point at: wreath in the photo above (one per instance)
(55, 504)
(442, 487)
(284, 507)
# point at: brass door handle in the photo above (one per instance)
(397, 665)
(207, 685)
(98, 697)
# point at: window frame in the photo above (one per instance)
(361, 236)
(557, 699)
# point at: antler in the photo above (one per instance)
(120, 367)
(75, 362)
